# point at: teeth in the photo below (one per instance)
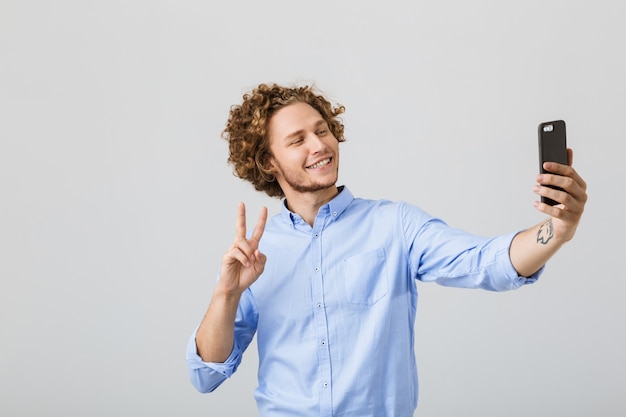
(320, 163)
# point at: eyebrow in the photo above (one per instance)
(301, 131)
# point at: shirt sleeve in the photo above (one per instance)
(207, 376)
(455, 258)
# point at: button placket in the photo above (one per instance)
(319, 311)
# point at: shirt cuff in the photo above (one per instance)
(226, 368)
(520, 280)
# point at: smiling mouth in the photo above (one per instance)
(320, 164)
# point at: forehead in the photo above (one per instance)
(292, 118)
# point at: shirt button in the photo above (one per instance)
(334, 213)
(325, 384)
(317, 235)
(317, 268)
(323, 343)
(319, 305)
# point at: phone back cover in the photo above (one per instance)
(552, 147)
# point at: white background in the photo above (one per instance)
(117, 202)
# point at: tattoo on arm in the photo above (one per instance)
(545, 232)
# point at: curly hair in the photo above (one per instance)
(247, 130)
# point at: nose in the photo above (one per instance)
(316, 144)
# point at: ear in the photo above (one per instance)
(267, 167)
(269, 164)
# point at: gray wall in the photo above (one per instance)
(117, 202)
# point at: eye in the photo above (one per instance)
(297, 141)
(321, 132)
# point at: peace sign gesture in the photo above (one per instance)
(243, 263)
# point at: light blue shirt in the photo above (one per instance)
(334, 310)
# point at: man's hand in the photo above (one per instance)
(572, 197)
(242, 263)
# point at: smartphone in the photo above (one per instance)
(552, 148)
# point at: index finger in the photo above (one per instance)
(260, 225)
(566, 170)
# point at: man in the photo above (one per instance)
(328, 285)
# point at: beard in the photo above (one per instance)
(297, 184)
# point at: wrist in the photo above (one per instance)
(226, 294)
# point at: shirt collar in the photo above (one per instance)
(334, 207)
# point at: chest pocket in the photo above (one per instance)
(365, 277)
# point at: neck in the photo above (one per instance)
(307, 205)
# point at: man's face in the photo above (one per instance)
(305, 154)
